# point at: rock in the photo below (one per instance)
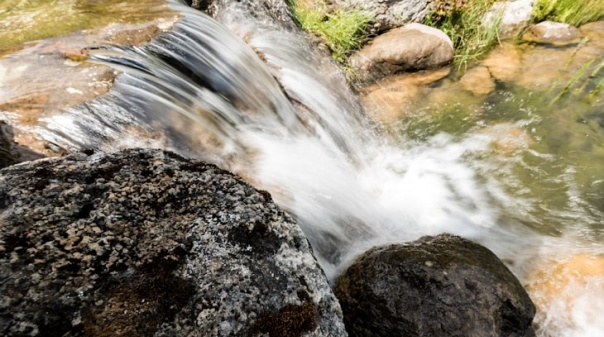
(593, 30)
(11, 152)
(436, 286)
(409, 48)
(390, 14)
(146, 243)
(271, 13)
(513, 15)
(567, 289)
(507, 139)
(7, 156)
(393, 97)
(478, 81)
(504, 62)
(553, 33)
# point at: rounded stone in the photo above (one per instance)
(433, 287)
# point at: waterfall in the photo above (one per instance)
(202, 92)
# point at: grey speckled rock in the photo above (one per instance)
(434, 287)
(146, 243)
(390, 14)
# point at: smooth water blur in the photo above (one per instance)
(516, 175)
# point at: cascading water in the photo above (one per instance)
(290, 127)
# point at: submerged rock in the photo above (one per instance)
(478, 81)
(436, 286)
(146, 243)
(504, 61)
(409, 48)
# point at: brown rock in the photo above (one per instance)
(553, 33)
(392, 97)
(409, 48)
(561, 284)
(594, 31)
(503, 62)
(478, 81)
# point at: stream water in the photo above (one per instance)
(520, 175)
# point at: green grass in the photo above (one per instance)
(461, 20)
(344, 31)
(572, 12)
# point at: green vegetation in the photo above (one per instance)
(344, 31)
(23, 21)
(461, 20)
(573, 12)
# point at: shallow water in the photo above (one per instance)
(509, 170)
(24, 21)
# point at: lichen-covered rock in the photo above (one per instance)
(390, 14)
(146, 243)
(434, 287)
(409, 48)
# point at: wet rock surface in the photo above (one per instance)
(146, 243)
(435, 286)
(53, 75)
(478, 81)
(7, 156)
(412, 47)
(10, 152)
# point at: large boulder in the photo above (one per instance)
(434, 287)
(409, 48)
(146, 243)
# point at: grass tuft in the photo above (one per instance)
(344, 31)
(572, 12)
(462, 21)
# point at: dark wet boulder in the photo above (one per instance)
(7, 155)
(434, 287)
(146, 243)
(11, 152)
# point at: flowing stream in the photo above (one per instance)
(272, 111)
